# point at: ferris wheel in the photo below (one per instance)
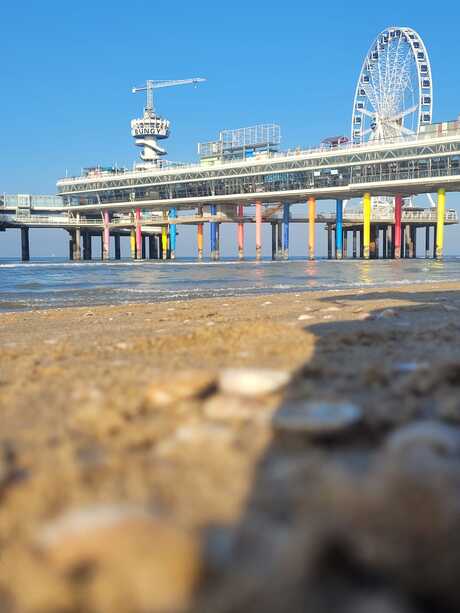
(394, 93)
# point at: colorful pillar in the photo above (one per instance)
(213, 232)
(258, 229)
(398, 217)
(132, 243)
(106, 236)
(286, 231)
(199, 240)
(441, 210)
(311, 227)
(138, 234)
(240, 231)
(366, 225)
(339, 229)
(173, 233)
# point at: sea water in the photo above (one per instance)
(56, 283)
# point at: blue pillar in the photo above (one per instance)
(286, 231)
(172, 233)
(213, 231)
(339, 230)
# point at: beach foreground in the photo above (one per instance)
(137, 473)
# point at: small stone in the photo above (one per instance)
(267, 303)
(222, 407)
(184, 385)
(327, 317)
(252, 382)
(320, 419)
(304, 317)
(138, 562)
(331, 309)
(411, 366)
(387, 314)
(438, 437)
(88, 314)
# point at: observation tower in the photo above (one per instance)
(151, 128)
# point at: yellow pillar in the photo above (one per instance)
(132, 243)
(164, 242)
(311, 227)
(366, 225)
(441, 209)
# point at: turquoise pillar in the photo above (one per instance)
(172, 233)
(339, 230)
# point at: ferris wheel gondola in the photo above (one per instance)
(394, 93)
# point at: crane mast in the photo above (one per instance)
(151, 128)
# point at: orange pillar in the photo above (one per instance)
(258, 229)
(311, 227)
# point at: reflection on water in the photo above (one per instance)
(54, 283)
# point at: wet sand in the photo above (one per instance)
(129, 481)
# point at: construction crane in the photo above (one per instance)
(151, 128)
(151, 85)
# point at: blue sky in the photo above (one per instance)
(68, 69)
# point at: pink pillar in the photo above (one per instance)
(106, 237)
(138, 235)
(240, 214)
(398, 215)
(258, 229)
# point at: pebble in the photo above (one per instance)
(332, 308)
(327, 317)
(252, 382)
(183, 385)
(411, 366)
(118, 542)
(317, 418)
(222, 407)
(88, 314)
(267, 303)
(387, 314)
(440, 438)
(304, 317)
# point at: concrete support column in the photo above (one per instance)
(376, 240)
(354, 244)
(345, 244)
(397, 232)
(258, 229)
(441, 216)
(339, 229)
(117, 247)
(217, 241)
(132, 243)
(199, 240)
(286, 231)
(160, 246)
(106, 237)
(213, 232)
(152, 247)
(311, 227)
(137, 214)
(435, 240)
(366, 225)
(240, 231)
(361, 243)
(427, 242)
(87, 246)
(329, 241)
(279, 239)
(273, 226)
(25, 250)
(71, 244)
(414, 241)
(77, 244)
(384, 243)
(173, 233)
(144, 247)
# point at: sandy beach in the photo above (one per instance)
(139, 471)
